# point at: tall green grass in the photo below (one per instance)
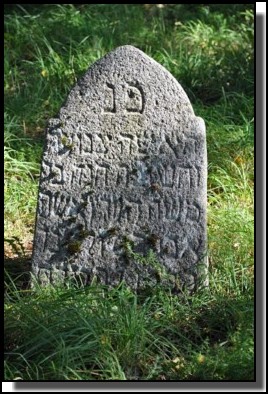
(94, 333)
(71, 333)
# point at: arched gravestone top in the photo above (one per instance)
(124, 164)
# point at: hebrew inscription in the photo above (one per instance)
(124, 164)
(133, 95)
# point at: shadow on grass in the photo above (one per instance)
(17, 272)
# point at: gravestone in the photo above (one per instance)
(123, 172)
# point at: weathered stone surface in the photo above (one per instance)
(124, 163)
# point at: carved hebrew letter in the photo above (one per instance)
(134, 99)
(109, 105)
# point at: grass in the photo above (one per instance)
(115, 334)
(76, 333)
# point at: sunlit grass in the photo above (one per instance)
(117, 334)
